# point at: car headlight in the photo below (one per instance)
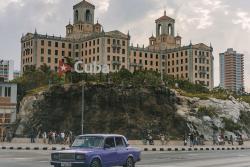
(55, 157)
(80, 156)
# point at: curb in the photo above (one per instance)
(195, 149)
(32, 148)
(146, 149)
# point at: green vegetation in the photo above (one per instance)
(206, 111)
(231, 126)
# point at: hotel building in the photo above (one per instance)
(87, 41)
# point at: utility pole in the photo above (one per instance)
(82, 120)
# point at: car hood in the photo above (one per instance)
(78, 150)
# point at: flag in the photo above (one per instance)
(63, 68)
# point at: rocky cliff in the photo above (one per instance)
(131, 111)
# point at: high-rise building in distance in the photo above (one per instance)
(232, 71)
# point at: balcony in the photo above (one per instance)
(115, 45)
(203, 71)
(116, 62)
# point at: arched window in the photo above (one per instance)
(170, 29)
(76, 15)
(88, 16)
(159, 29)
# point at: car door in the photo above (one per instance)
(122, 150)
(110, 153)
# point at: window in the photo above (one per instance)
(77, 54)
(108, 58)
(56, 44)
(42, 43)
(42, 51)
(108, 41)
(157, 56)
(1, 91)
(123, 43)
(77, 46)
(134, 54)
(123, 59)
(42, 59)
(108, 49)
(119, 142)
(63, 45)
(7, 91)
(151, 56)
(49, 43)
(56, 60)
(49, 60)
(49, 51)
(63, 53)
(69, 54)
(56, 52)
(98, 41)
(70, 46)
(98, 49)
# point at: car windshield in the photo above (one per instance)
(89, 142)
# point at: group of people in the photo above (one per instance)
(194, 139)
(6, 137)
(222, 140)
(54, 137)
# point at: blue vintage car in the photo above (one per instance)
(97, 151)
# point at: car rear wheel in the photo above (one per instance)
(95, 163)
(130, 162)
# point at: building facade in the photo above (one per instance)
(87, 41)
(232, 71)
(7, 70)
(8, 102)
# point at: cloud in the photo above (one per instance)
(243, 19)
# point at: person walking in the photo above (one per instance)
(32, 136)
(44, 137)
(232, 139)
(163, 139)
(191, 140)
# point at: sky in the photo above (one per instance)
(223, 23)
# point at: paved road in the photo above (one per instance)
(13, 158)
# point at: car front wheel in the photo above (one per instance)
(130, 162)
(95, 163)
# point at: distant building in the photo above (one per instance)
(8, 108)
(87, 41)
(7, 70)
(232, 71)
(16, 74)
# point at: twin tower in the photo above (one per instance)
(83, 25)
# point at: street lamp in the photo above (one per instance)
(82, 115)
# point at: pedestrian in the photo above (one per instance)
(191, 140)
(54, 137)
(44, 137)
(62, 137)
(163, 139)
(185, 140)
(32, 136)
(232, 139)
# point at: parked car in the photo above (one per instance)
(97, 150)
